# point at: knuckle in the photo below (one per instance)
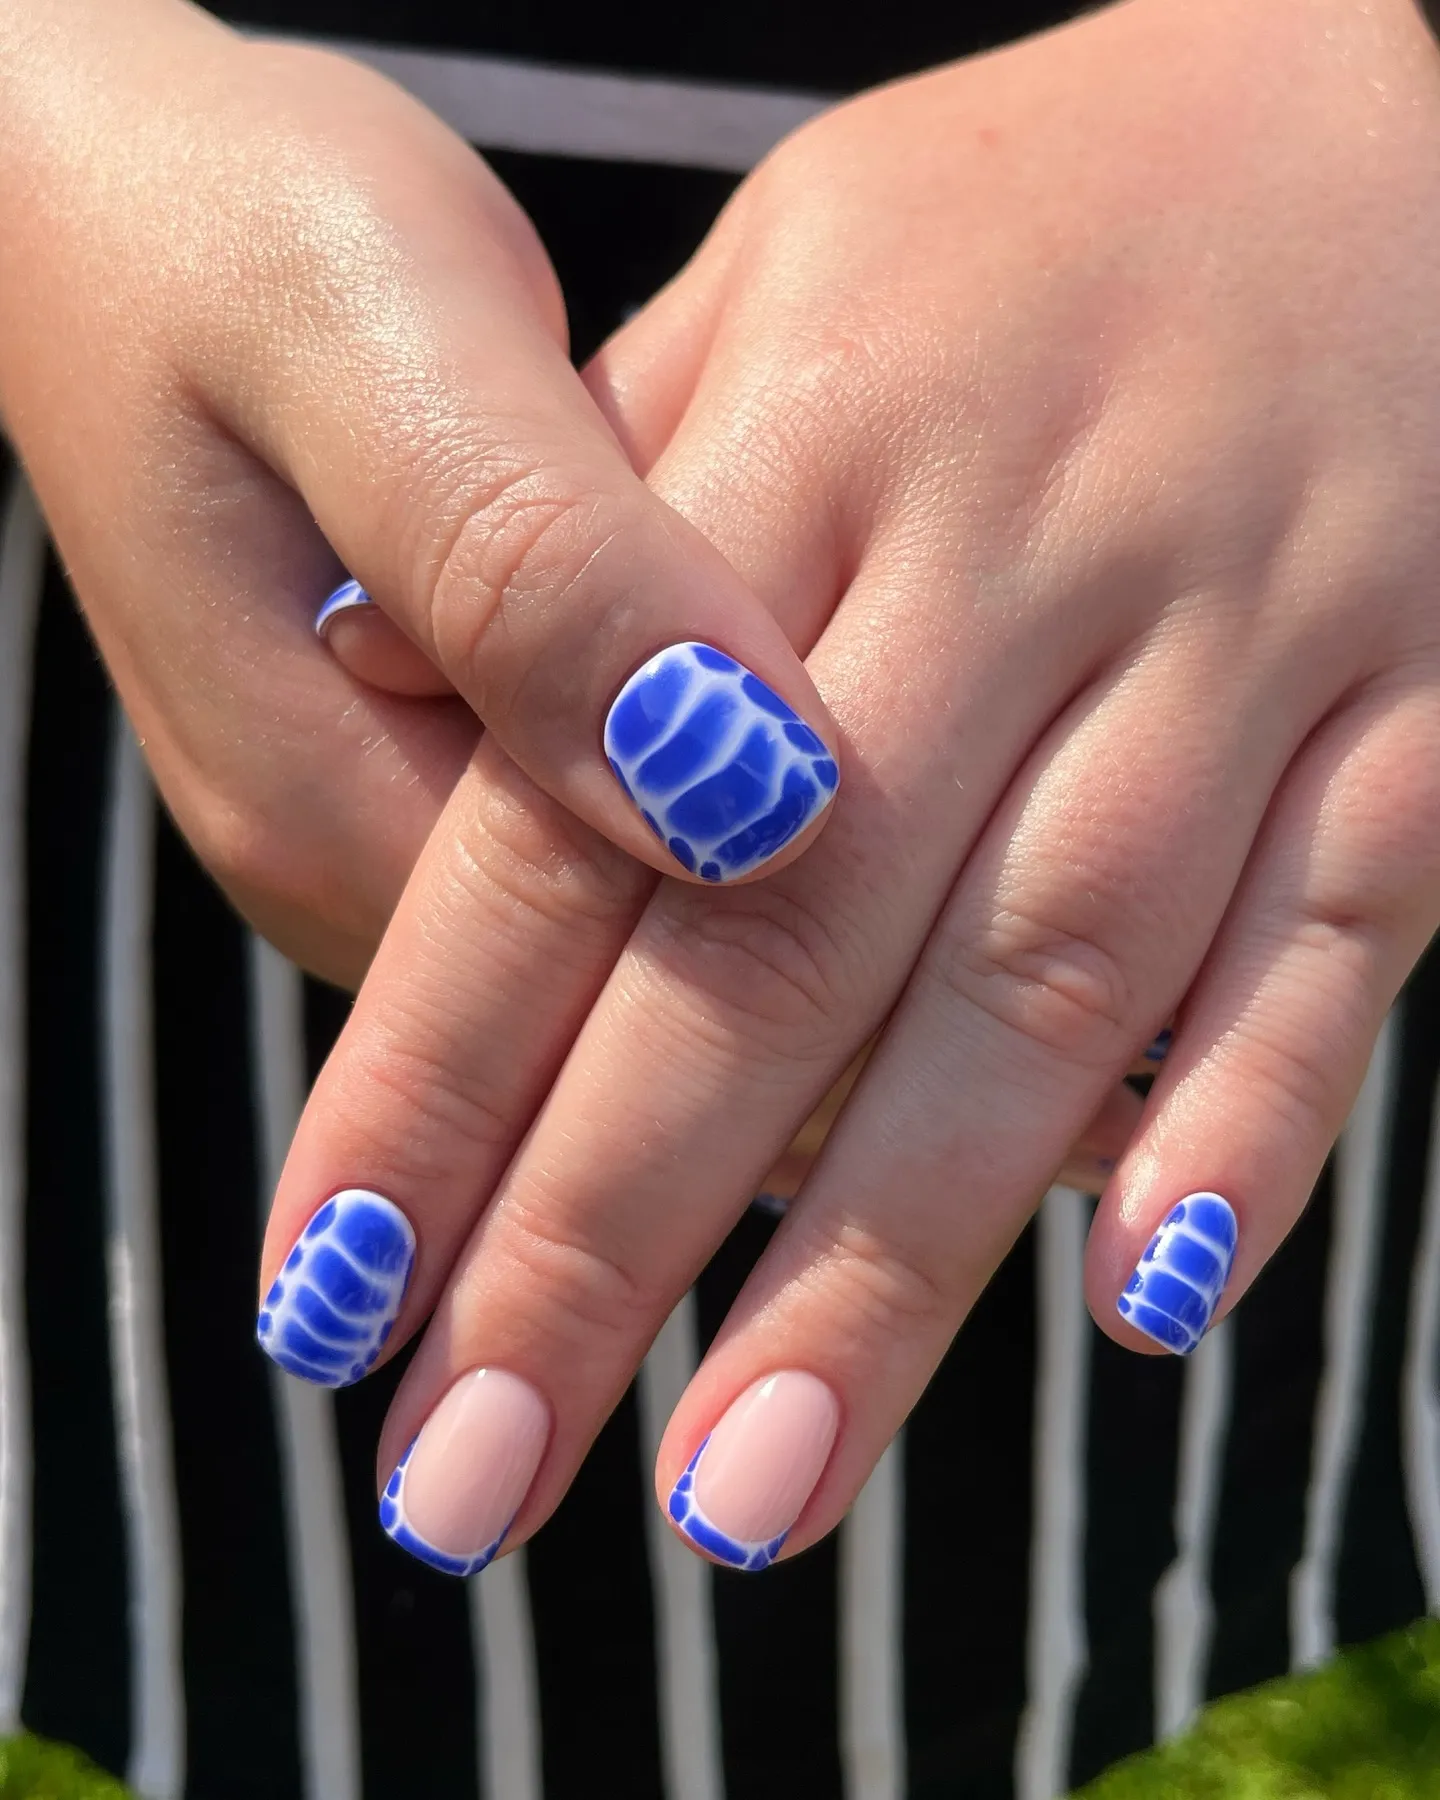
(761, 962)
(1064, 993)
(594, 1296)
(531, 860)
(882, 1289)
(445, 1124)
(528, 536)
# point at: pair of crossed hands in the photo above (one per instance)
(1053, 438)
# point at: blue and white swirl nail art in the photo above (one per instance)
(1177, 1285)
(685, 1511)
(722, 770)
(399, 1530)
(346, 597)
(332, 1306)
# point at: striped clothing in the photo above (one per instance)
(1067, 1551)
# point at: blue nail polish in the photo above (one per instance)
(688, 1516)
(400, 1531)
(1177, 1285)
(331, 1307)
(348, 595)
(721, 769)
(1160, 1049)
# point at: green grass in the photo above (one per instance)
(1365, 1727)
(31, 1769)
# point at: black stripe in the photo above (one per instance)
(1132, 1447)
(968, 1514)
(1260, 1528)
(791, 43)
(1378, 1580)
(77, 1681)
(239, 1663)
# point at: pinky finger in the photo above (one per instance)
(369, 645)
(1341, 895)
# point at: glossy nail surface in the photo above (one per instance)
(346, 597)
(330, 1309)
(1178, 1282)
(748, 1482)
(721, 769)
(460, 1484)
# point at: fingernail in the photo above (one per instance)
(748, 1482)
(331, 1307)
(1160, 1049)
(348, 595)
(460, 1484)
(721, 769)
(1178, 1282)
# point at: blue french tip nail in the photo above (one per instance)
(1160, 1049)
(687, 1515)
(399, 1530)
(719, 767)
(331, 1307)
(348, 595)
(1178, 1282)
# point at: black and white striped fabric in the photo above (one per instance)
(1069, 1549)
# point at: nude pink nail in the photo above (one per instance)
(748, 1482)
(460, 1484)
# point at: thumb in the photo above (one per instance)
(406, 376)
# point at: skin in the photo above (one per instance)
(1074, 408)
(1072, 411)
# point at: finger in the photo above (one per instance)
(506, 931)
(1094, 1156)
(373, 649)
(422, 402)
(1079, 919)
(307, 797)
(1341, 898)
(1088, 1165)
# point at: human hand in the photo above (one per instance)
(1096, 381)
(258, 307)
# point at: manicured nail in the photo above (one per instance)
(331, 1307)
(722, 770)
(1160, 1049)
(460, 1484)
(348, 595)
(1174, 1291)
(748, 1482)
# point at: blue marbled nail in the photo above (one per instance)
(1177, 1285)
(721, 769)
(346, 597)
(686, 1513)
(1160, 1048)
(399, 1530)
(331, 1307)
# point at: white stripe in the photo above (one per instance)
(1183, 1608)
(1349, 1293)
(505, 104)
(508, 1705)
(22, 571)
(680, 1580)
(872, 1683)
(147, 1477)
(316, 1539)
(1057, 1651)
(1421, 1449)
